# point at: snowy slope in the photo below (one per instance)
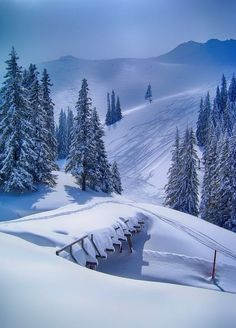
(48, 291)
(173, 247)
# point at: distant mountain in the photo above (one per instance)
(189, 66)
(212, 52)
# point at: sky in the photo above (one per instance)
(43, 30)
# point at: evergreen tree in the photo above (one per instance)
(223, 94)
(223, 194)
(188, 192)
(118, 115)
(44, 163)
(231, 164)
(16, 145)
(81, 156)
(102, 178)
(113, 107)
(48, 109)
(210, 186)
(69, 128)
(116, 179)
(148, 94)
(173, 185)
(232, 89)
(62, 136)
(200, 125)
(108, 115)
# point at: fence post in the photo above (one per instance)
(214, 267)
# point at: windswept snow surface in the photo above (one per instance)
(173, 247)
(48, 291)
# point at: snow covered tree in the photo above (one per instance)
(114, 113)
(48, 109)
(113, 107)
(44, 161)
(232, 89)
(173, 185)
(148, 94)
(62, 136)
(16, 144)
(108, 115)
(203, 121)
(188, 192)
(210, 183)
(118, 110)
(102, 178)
(116, 179)
(81, 156)
(69, 128)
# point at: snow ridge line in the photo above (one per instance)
(200, 237)
(84, 208)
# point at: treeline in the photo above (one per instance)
(27, 132)
(114, 113)
(64, 133)
(216, 136)
(216, 133)
(87, 159)
(30, 144)
(182, 187)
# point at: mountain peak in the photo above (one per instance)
(213, 51)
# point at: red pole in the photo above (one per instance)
(214, 267)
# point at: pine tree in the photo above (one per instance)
(16, 146)
(113, 107)
(200, 122)
(102, 178)
(148, 94)
(116, 179)
(173, 185)
(62, 136)
(231, 164)
(232, 89)
(108, 115)
(118, 115)
(224, 191)
(48, 109)
(188, 192)
(69, 128)
(210, 185)
(81, 156)
(44, 163)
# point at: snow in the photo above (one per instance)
(182, 246)
(50, 291)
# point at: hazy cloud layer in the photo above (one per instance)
(46, 29)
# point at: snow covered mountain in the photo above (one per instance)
(191, 65)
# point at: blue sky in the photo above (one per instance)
(46, 29)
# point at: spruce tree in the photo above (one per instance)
(48, 109)
(148, 94)
(16, 144)
(69, 128)
(62, 136)
(116, 179)
(108, 115)
(210, 185)
(102, 178)
(188, 192)
(44, 163)
(113, 107)
(173, 185)
(232, 89)
(118, 110)
(81, 156)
